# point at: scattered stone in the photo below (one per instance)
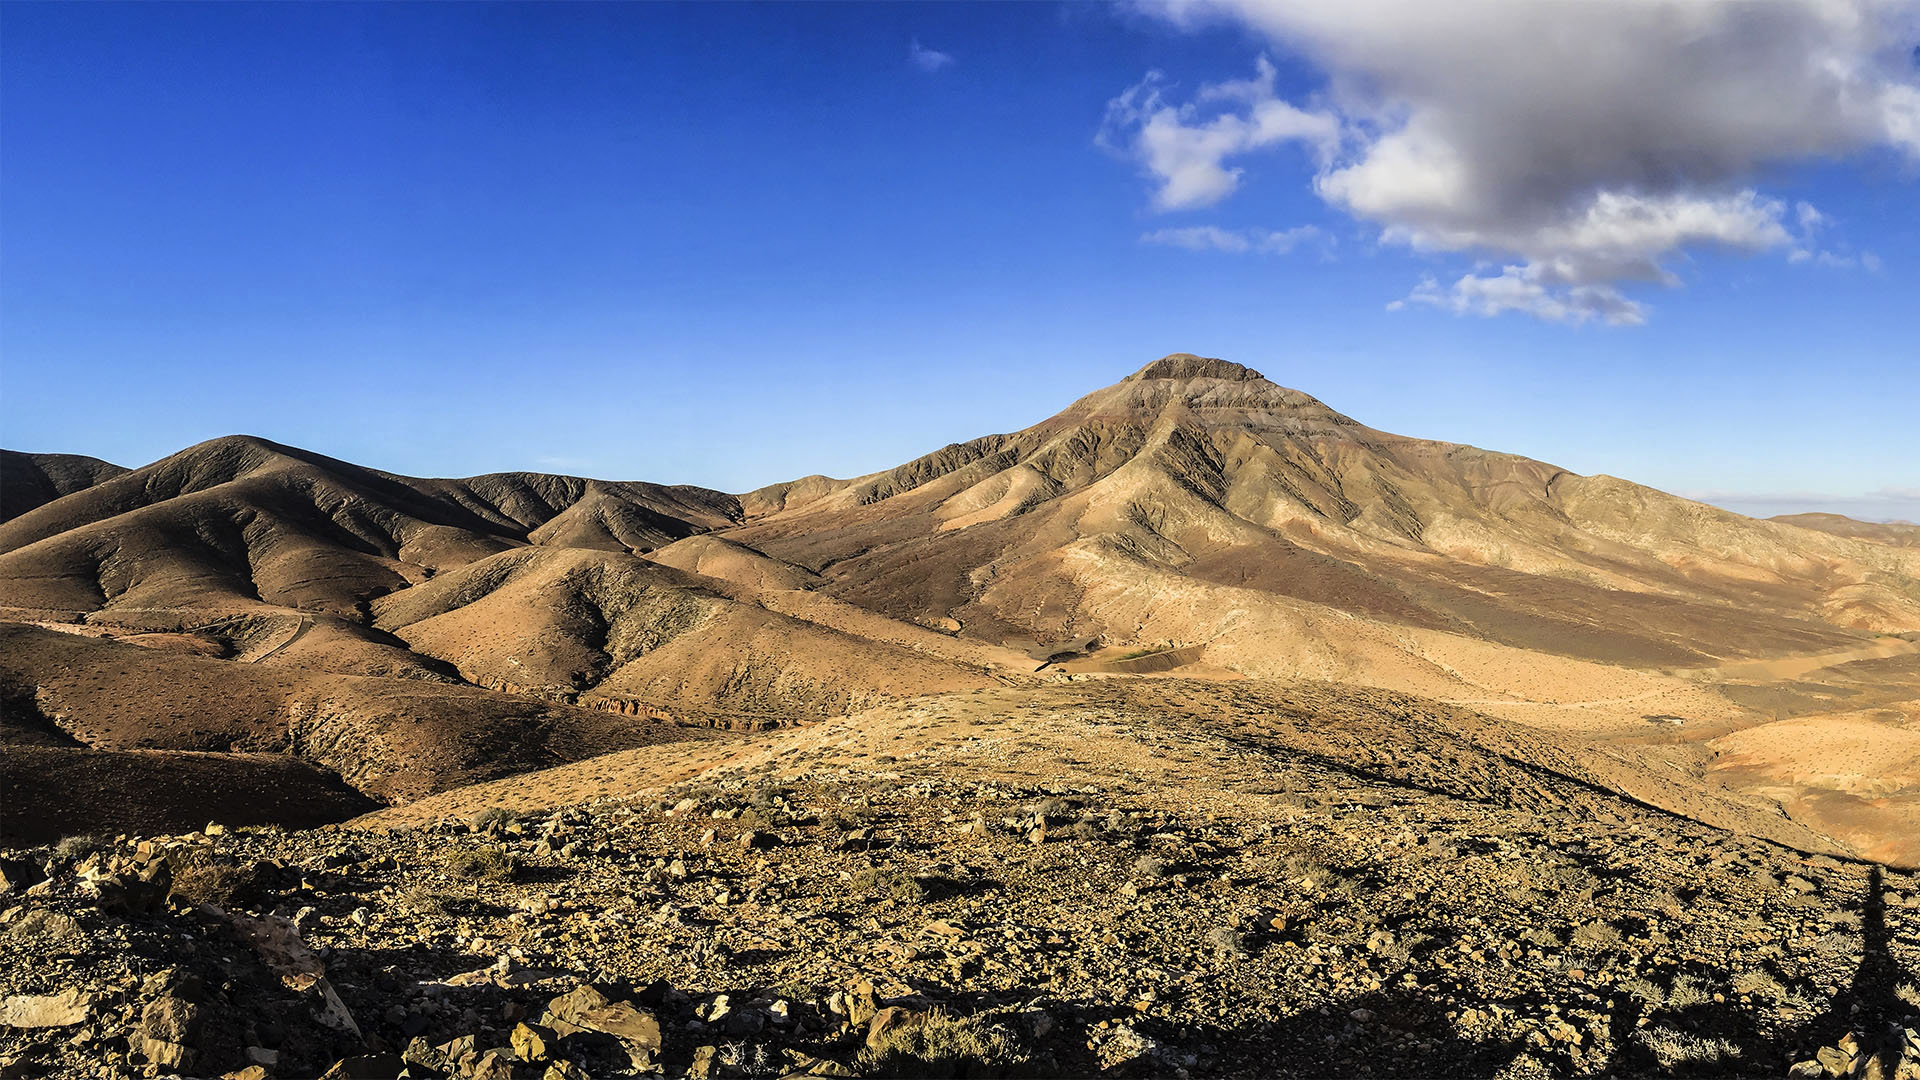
(48, 930)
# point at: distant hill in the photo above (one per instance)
(31, 480)
(1897, 533)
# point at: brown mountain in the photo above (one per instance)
(1199, 476)
(1194, 520)
(31, 480)
(1897, 533)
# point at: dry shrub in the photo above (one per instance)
(1674, 1049)
(492, 815)
(481, 864)
(943, 1045)
(80, 846)
(1595, 936)
(201, 878)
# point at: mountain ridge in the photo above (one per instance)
(1193, 520)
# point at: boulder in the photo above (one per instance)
(130, 893)
(585, 1009)
(48, 930)
(68, 1007)
(532, 1042)
(168, 1029)
(19, 875)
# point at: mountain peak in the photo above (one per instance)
(1188, 366)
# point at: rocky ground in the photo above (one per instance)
(1296, 914)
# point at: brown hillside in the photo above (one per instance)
(1204, 474)
(1194, 520)
(31, 480)
(236, 524)
(1897, 533)
(391, 739)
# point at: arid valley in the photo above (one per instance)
(1198, 729)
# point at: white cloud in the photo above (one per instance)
(1186, 152)
(927, 60)
(1237, 241)
(1526, 289)
(1588, 145)
(1838, 260)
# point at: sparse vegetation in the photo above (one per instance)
(1677, 1049)
(201, 879)
(1151, 866)
(80, 846)
(492, 816)
(1595, 936)
(488, 863)
(943, 1045)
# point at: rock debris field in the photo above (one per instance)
(1296, 916)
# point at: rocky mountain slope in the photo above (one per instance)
(1201, 475)
(1075, 883)
(402, 637)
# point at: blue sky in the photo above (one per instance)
(732, 244)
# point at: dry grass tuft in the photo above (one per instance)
(482, 864)
(943, 1045)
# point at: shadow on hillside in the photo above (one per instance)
(1870, 1005)
(1409, 1034)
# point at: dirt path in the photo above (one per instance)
(298, 632)
(1778, 669)
(1793, 667)
(1596, 703)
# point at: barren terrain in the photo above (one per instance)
(1206, 717)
